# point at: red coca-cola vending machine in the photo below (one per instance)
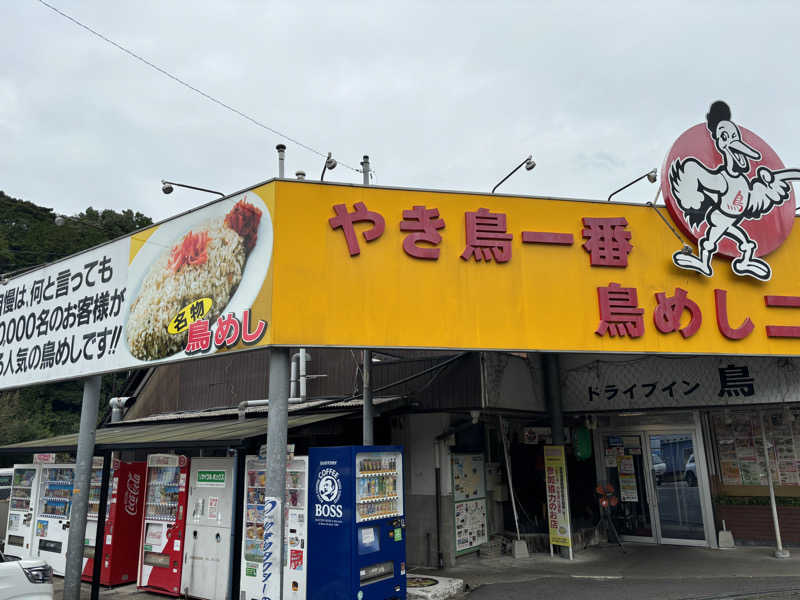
(162, 536)
(124, 513)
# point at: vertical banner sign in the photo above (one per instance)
(270, 578)
(557, 496)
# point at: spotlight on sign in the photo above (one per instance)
(528, 163)
(651, 175)
(330, 165)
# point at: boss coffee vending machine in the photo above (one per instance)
(357, 545)
(162, 537)
(124, 513)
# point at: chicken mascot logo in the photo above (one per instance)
(727, 190)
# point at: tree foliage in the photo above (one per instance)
(29, 236)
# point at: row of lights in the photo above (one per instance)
(330, 164)
(167, 187)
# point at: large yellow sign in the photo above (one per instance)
(526, 280)
(308, 264)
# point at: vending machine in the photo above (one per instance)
(295, 519)
(52, 516)
(162, 536)
(356, 540)
(21, 508)
(209, 514)
(124, 512)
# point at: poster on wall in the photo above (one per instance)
(740, 446)
(555, 467)
(469, 495)
(731, 475)
(627, 487)
(471, 526)
(469, 477)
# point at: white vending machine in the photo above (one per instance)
(295, 519)
(52, 516)
(21, 508)
(207, 545)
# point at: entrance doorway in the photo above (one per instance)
(662, 490)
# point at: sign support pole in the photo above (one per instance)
(780, 551)
(100, 537)
(80, 498)
(277, 433)
(368, 410)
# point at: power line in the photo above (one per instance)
(177, 79)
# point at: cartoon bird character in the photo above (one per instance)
(724, 196)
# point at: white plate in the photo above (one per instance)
(170, 233)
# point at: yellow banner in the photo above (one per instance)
(555, 469)
(352, 267)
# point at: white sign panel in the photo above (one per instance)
(65, 320)
(655, 382)
(187, 287)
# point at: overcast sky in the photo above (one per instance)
(440, 95)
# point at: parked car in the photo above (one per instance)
(25, 579)
(690, 472)
(659, 466)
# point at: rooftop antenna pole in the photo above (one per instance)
(365, 169)
(281, 148)
(366, 373)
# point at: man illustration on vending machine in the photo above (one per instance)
(723, 196)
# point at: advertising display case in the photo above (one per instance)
(124, 513)
(162, 536)
(295, 519)
(21, 508)
(356, 507)
(208, 529)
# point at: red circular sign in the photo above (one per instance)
(728, 191)
(768, 229)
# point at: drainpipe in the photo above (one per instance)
(117, 405)
(293, 376)
(780, 551)
(552, 391)
(302, 358)
(368, 412)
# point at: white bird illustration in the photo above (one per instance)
(724, 196)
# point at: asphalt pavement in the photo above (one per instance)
(641, 572)
(566, 588)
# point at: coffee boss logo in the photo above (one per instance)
(329, 490)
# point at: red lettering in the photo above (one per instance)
(721, 306)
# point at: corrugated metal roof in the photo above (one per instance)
(215, 413)
(166, 435)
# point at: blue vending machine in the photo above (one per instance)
(356, 534)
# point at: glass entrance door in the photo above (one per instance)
(625, 468)
(678, 508)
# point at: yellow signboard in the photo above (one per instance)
(310, 264)
(555, 468)
(352, 268)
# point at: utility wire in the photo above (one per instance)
(190, 86)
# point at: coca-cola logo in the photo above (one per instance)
(131, 496)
